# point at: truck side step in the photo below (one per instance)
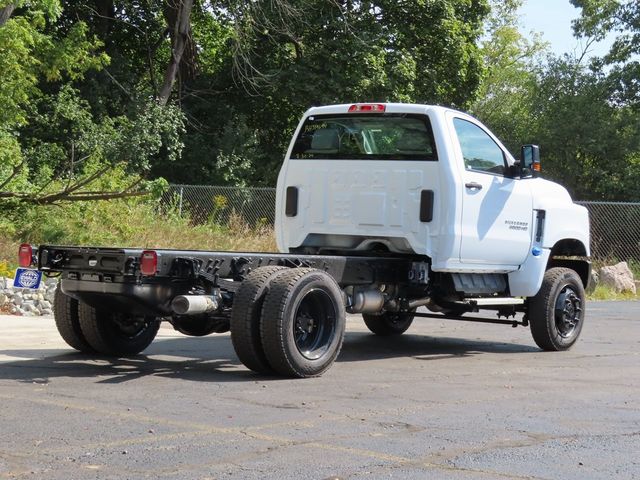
(514, 323)
(494, 301)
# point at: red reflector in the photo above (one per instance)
(25, 255)
(149, 262)
(367, 108)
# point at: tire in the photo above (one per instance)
(65, 314)
(389, 323)
(245, 318)
(303, 322)
(116, 334)
(200, 325)
(556, 312)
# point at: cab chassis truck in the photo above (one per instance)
(381, 209)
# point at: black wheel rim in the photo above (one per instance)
(129, 328)
(399, 320)
(568, 312)
(314, 324)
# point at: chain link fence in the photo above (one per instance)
(203, 203)
(615, 231)
(615, 227)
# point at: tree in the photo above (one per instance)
(227, 79)
(589, 144)
(512, 64)
(52, 145)
(600, 18)
(289, 56)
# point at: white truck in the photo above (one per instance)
(381, 209)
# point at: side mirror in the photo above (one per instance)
(530, 161)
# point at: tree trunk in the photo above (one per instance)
(5, 13)
(178, 15)
(106, 14)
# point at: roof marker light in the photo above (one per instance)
(367, 108)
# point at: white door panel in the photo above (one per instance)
(497, 211)
(496, 220)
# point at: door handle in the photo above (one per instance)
(473, 185)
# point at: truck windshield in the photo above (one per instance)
(365, 137)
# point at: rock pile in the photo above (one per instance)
(26, 302)
(619, 277)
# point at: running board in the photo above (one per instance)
(438, 316)
(494, 301)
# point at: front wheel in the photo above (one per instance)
(116, 334)
(556, 313)
(389, 323)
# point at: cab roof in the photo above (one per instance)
(387, 108)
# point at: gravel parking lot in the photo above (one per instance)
(448, 399)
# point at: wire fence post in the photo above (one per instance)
(180, 202)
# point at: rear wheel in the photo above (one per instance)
(245, 318)
(200, 325)
(389, 323)
(65, 314)
(116, 334)
(556, 313)
(303, 322)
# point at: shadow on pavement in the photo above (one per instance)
(365, 346)
(212, 359)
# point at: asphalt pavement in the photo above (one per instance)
(447, 400)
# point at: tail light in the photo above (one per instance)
(149, 262)
(25, 255)
(367, 108)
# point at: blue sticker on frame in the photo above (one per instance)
(27, 278)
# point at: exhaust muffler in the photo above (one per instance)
(195, 304)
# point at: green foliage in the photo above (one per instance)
(511, 61)
(620, 18)
(133, 222)
(79, 86)
(6, 270)
(28, 53)
(589, 143)
(604, 293)
(588, 130)
(287, 56)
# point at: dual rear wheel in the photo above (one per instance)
(92, 330)
(288, 321)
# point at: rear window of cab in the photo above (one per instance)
(365, 137)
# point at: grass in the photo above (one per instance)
(129, 223)
(602, 292)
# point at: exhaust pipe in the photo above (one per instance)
(195, 304)
(365, 301)
(422, 302)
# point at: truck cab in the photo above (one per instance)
(423, 180)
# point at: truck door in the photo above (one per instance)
(497, 211)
